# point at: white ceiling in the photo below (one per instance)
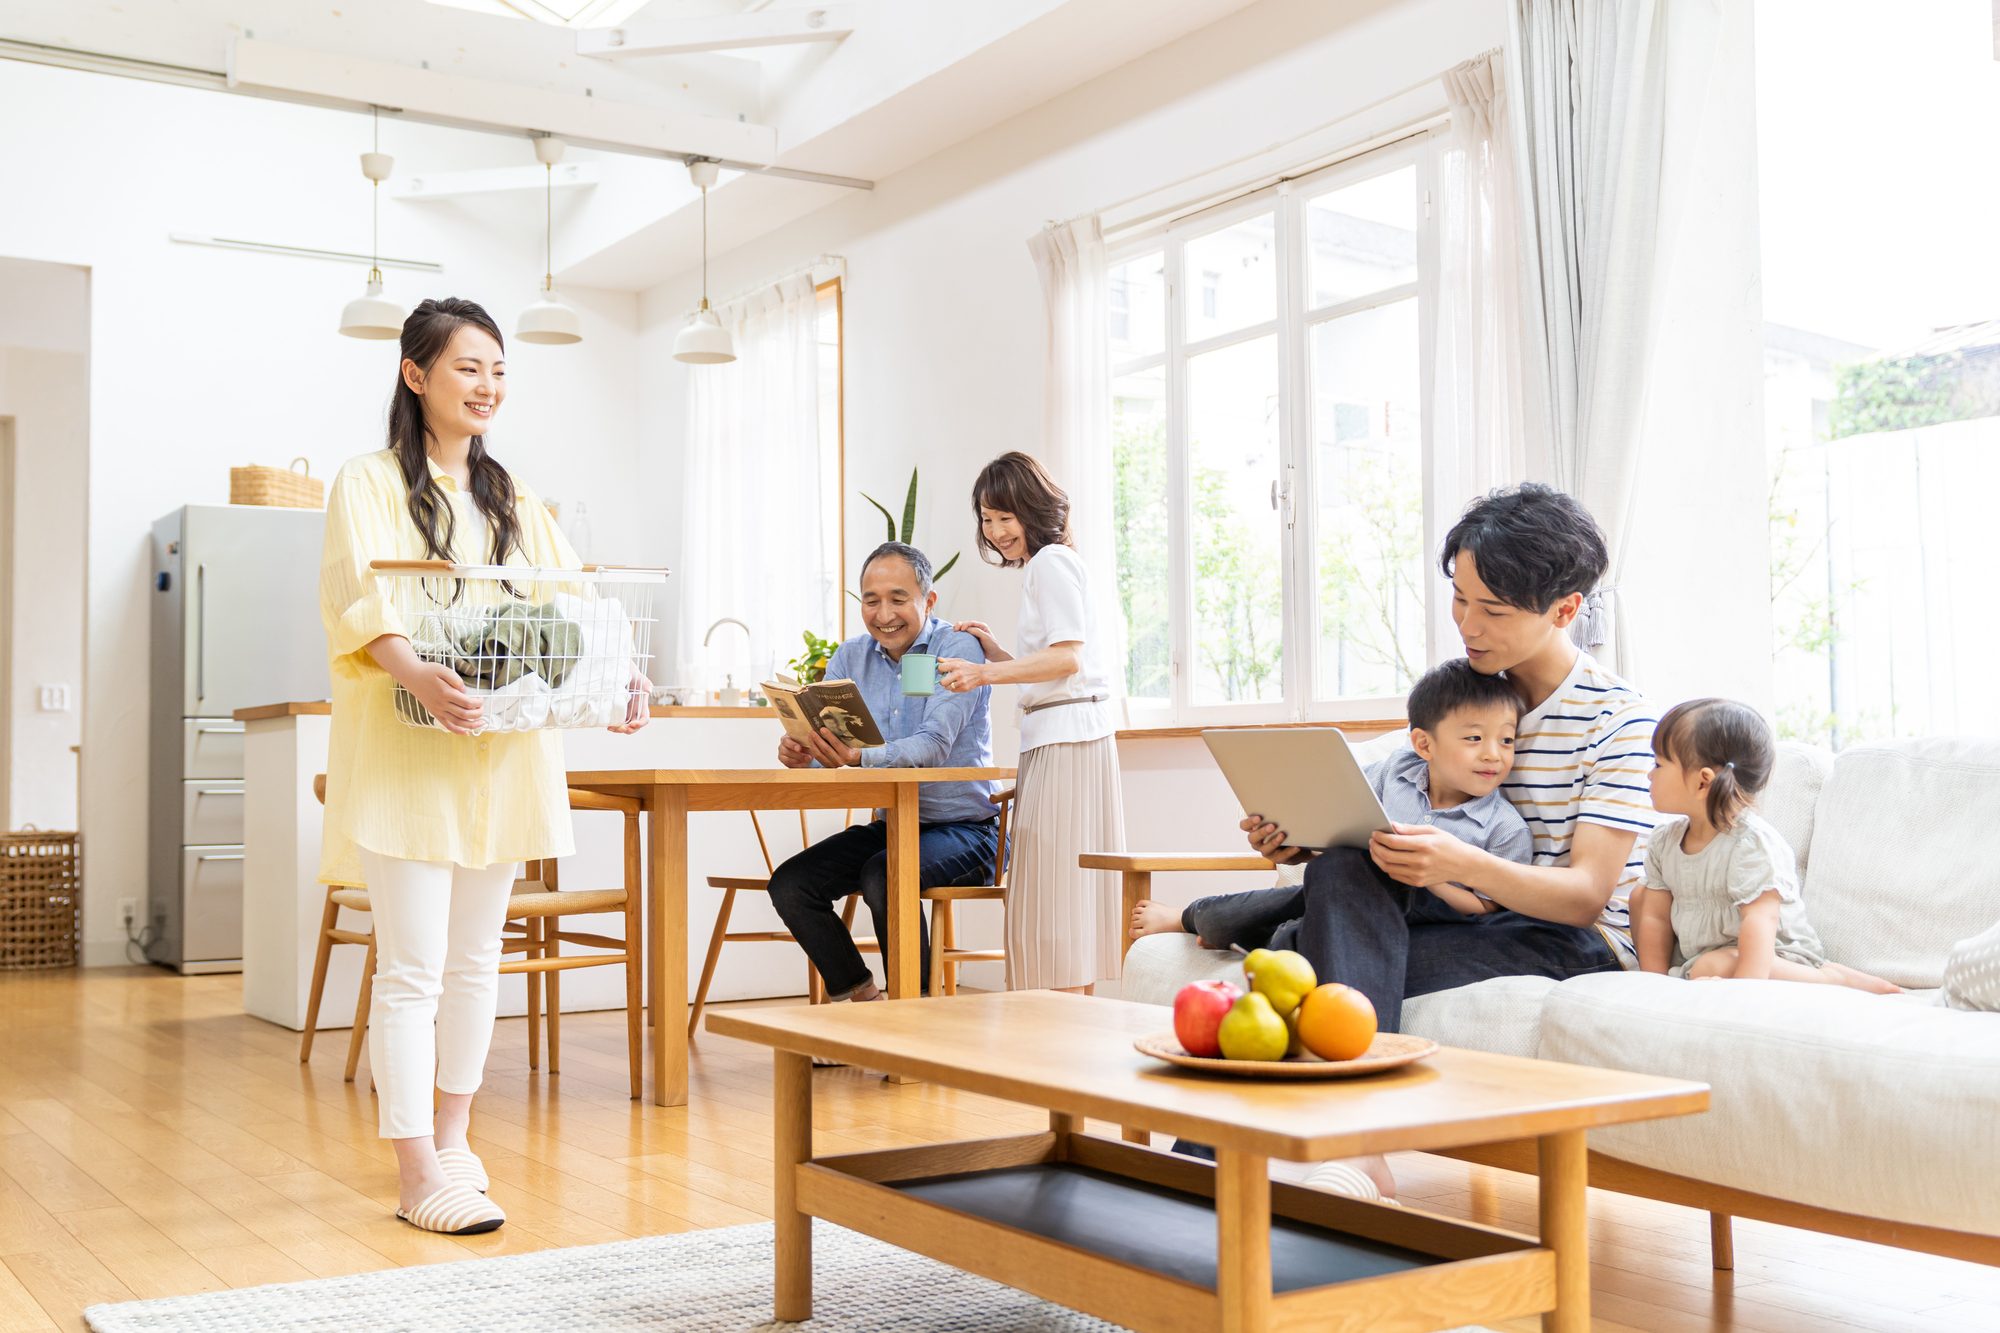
(915, 77)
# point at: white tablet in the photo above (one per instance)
(1303, 779)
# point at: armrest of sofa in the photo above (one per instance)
(1138, 869)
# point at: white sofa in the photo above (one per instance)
(1861, 1115)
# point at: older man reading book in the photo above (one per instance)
(941, 730)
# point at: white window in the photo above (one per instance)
(1269, 449)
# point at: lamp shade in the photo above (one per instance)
(704, 342)
(549, 321)
(372, 316)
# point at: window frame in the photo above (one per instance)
(1292, 324)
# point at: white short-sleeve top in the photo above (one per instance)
(1057, 607)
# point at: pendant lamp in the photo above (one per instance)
(374, 315)
(704, 342)
(549, 320)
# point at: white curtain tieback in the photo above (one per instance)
(1593, 619)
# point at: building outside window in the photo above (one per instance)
(1269, 449)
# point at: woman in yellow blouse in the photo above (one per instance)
(434, 821)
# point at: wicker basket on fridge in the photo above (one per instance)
(279, 486)
(41, 900)
(539, 648)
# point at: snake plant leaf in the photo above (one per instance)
(910, 510)
(886, 515)
(947, 567)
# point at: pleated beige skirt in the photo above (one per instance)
(1062, 921)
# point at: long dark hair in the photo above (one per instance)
(426, 333)
(1015, 484)
(1720, 734)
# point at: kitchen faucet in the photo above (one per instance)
(727, 694)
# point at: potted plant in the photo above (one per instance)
(810, 666)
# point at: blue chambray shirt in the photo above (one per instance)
(942, 730)
(1489, 822)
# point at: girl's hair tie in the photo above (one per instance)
(1730, 765)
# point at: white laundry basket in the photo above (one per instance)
(538, 647)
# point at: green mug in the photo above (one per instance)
(920, 674)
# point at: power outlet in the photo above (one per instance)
(128, 912)
(54, 698)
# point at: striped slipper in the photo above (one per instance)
(455, 1211)
(463, 1167)
(1343, 1178)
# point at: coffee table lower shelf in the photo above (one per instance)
(1136, 1237)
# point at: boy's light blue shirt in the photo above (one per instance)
(942, 730)
(1489, 822)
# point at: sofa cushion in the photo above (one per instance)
(1501, 1014)
(1885, 1106)
(1790, 798)
(1904, 863)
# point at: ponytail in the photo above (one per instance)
(1727, 737)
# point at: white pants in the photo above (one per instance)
(437, 981)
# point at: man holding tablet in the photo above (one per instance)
(1522, 561)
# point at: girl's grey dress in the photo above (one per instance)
(1711, 887)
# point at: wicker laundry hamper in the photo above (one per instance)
(280, 486)
(41, 900)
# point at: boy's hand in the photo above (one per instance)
(1423, 854)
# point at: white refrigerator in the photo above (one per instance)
(235, 592)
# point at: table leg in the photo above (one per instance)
(791, 1129)
(1243, 1241)
(667, 874)
(901, 960)
(1138, 887)
(1565, 1170)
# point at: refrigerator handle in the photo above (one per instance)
(200, 632)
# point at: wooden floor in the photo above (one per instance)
(155, 1141)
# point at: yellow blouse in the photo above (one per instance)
(416, 792)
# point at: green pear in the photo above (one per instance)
(1252, 1030)
(1295, 1046)
(1281, 976)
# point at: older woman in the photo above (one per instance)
(1063, 928)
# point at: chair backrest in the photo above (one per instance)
(1005, 800)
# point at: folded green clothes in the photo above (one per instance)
(516, 639)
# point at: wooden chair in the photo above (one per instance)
(946, 956)
(533, 930)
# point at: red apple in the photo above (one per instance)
(1198, 1012)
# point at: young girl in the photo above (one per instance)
(1722, 885)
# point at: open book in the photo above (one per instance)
(833, 704)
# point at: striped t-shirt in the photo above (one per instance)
(1584, 754)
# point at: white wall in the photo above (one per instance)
(203, 358)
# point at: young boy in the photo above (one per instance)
(1461, 749)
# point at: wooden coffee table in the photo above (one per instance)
(1165, 1244)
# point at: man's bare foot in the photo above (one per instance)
(1859, 980)
(1151, 918)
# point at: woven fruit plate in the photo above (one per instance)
(1389, 1050)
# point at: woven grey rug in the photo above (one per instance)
(694, 1282)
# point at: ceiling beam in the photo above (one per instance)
(293, 69)
(493, 180)
(718, 32)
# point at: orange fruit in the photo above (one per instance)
(1336, 1022)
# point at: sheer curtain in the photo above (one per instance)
(1479, 431)
(1076, 409)
(1592, 83)
(751, 503)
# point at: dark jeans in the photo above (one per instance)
(856, 860)
(1357, 926)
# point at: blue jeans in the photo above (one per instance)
(856, 860)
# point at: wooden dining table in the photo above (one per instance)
(667, 795)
